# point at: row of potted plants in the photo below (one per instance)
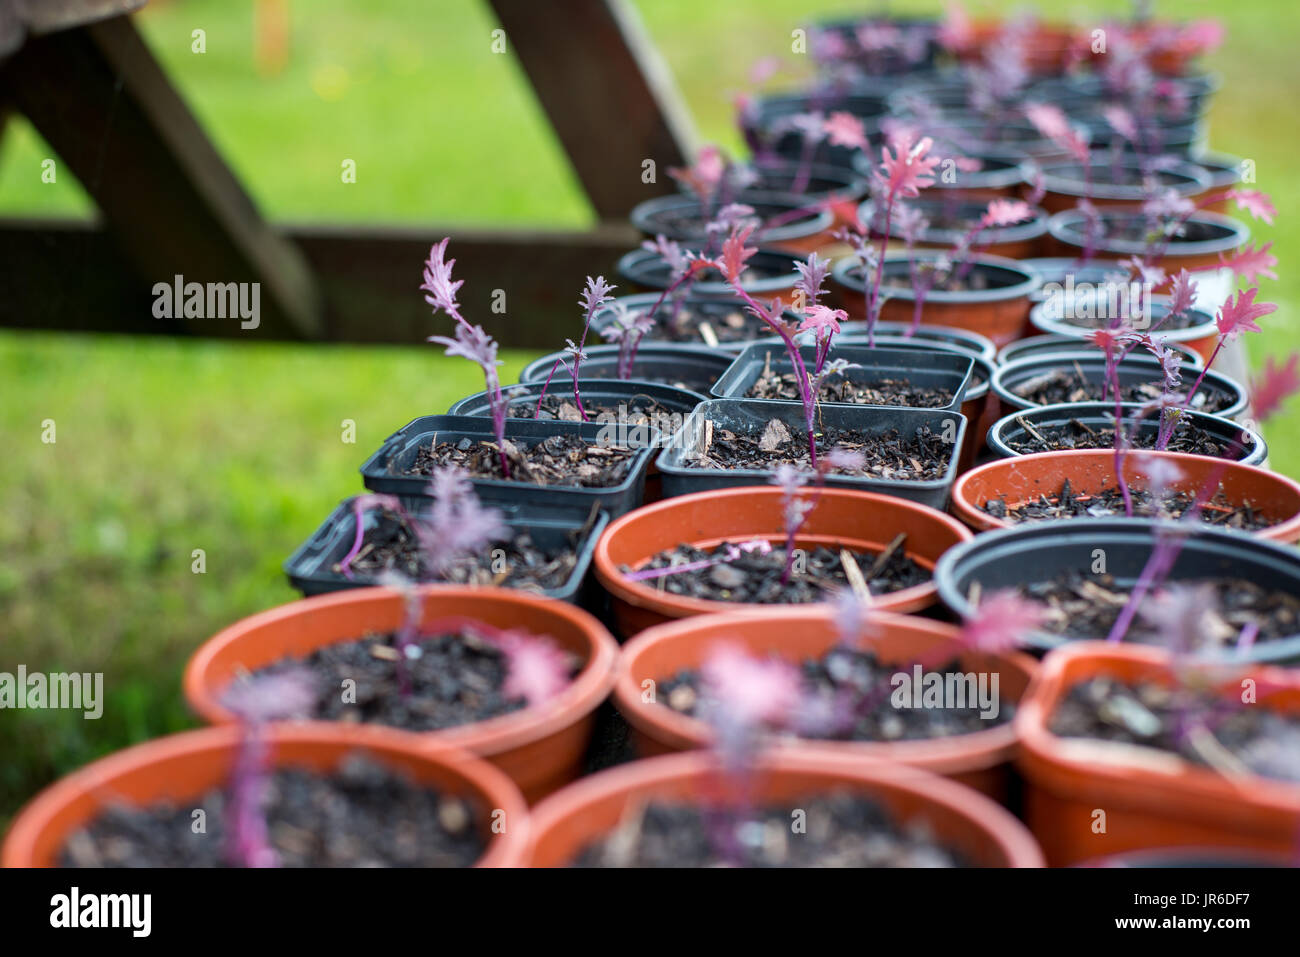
(750, 483)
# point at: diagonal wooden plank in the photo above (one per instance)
(105, 105)
(609, 98)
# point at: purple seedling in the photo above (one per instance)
(360, 506)
(258, 701)
(795, 509)
(471, 342)
(729, 553)
(595, 294)
(627, 328)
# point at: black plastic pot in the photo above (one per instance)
(1133, 369)
(899, 335)
(752, 416)
(773, 270)
(942, 369)
(1030, 554)
(1000, 171)
(1050, 344)
(778, 175)
(767, 130)
(384, 470)
(680, 217)
(969, 212)
(1111, 304)
(717, 311)
(603, 392)
(310, 567)
(1102, 414)
(690, 368)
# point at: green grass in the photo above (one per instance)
(166, 447)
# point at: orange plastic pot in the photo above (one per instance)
(1048, 48)
(1000, 313)
(1089, 471)
(1147, 799)
(863, 521)
(584, 812)
(981, 760)
(540, 747)
(182, 767)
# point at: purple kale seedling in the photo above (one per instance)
(627, 327)
(471, 342)
(360, 506)
(258, 701)
(795, 509)
(594, 295)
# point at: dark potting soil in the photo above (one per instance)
(1070, 385)
(857, 686)
(560, 405)
(362, 815)
(1082, 607)
(922, 456)
(1077, 434)
(559, 460)
(454, 680)
(391, 546)
(690, 220)
(977, 280)
(853, 387)
(723, 324)
(1213, 731)
(756, 578)
(843, 830)
(1218, 511)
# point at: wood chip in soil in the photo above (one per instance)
(756, 578)
(1212, 731)
(921, 456)
(362, 815)
(1076, 434)
(559, 460)
(843, 830)
(1109, 502)
(1070, 385)
(855, 690)
(454, 680)
(390, 546)
(1081, 607)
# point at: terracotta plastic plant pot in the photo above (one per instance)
(539, 747)
(1150, 799)
(1224, 171)
(182, 767)
(1209, 236)
(1239, 443)
(681, 218)
(863, 521)
(998, 313)
(826, 184)
(1018, 241)
(1018, 480)
(980, 760)
(1047, 46)
(586, 811)
(773, 271)
(1201, 335)
(1114, 183)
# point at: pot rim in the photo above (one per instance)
(489, 737)
(1061, 227)
(1213, 377)
(643, 215)
(1034, 228)
(1121, 530)
(1287, 530)
(98, 778)
(998, 445)
(1194, 180)
(974, 751)
(1013, 838)
(636, 266)
(1070, 344)
(1206, 328)
(843, 270)
(643, 595)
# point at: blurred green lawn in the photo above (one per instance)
(164, 447)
